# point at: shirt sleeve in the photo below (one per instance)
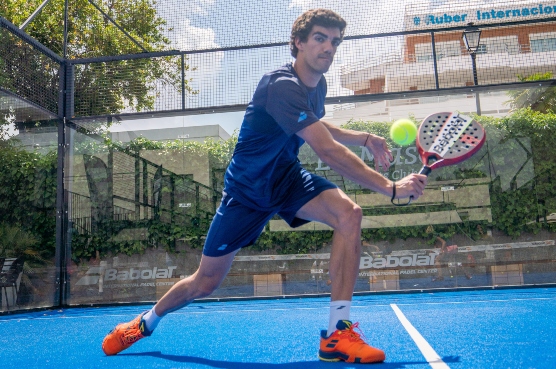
(288, 104)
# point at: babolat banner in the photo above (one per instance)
(127, 278)
(477, 13)
(395, 261)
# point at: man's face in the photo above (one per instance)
(319, 49)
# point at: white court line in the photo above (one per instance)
(428, 352)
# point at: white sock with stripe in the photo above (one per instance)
(151, 319)
(339, 310)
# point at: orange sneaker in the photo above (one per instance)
(125, 335)
(346, 344)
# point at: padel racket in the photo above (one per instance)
(446, 139)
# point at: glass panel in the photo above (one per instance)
(471, 209)
(133, 212)
(140, 194)
(28, 276)
(140, 208)
(29, 85)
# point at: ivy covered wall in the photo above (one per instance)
(517, 163)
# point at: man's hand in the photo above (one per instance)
(412, 185)
(381, 153)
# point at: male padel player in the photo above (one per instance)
(265, 178)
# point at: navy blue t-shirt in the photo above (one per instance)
(265, 158)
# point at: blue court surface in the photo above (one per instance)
(512, 328)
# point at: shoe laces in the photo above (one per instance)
(131, 335)
(352, 335)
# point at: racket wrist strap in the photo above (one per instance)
(393, 191)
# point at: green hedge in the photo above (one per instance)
(519, 203)
(28, 194)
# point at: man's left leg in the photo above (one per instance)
(202, 283)
(233, 227)
(337, 210)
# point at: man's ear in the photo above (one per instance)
(298, 43)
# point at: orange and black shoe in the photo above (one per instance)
(346, 345)
(125, 335)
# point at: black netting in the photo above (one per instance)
(413, 62)
(150, 84)
(226, 46)
(106, 27)
(198, 25)
(371, 66)
(29, 74)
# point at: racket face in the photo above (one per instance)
(448, 138)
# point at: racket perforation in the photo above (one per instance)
(448, 136)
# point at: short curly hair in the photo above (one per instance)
(315, 17)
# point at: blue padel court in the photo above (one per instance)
(511, 328)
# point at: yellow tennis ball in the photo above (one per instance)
(403, 132)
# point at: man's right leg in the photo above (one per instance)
(209, 275)
(341, 342)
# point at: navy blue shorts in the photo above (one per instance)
(235, 225)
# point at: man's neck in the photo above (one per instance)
(308, 77)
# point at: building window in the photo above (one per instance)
(423, 52)
(499, 45)
(425, 58)
(482, 49)
(545, 44)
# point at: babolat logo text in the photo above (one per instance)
(447, 137)
(368, 262)
(111, 274)
(132, 274)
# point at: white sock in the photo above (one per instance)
(151, 319)
(339, 310)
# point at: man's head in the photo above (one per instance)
(316, 17)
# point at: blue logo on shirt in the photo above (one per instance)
(302, 117)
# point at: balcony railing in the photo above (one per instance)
(400, 57)
(81, 216)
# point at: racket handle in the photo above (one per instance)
(426, 170)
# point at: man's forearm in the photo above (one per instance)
(346, 136)
(350, 166)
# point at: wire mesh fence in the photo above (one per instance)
(371, 66)
(217, 51)
(26, 73)
(149, 84)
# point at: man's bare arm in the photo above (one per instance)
(349, 165)
(346, 136)
(376, 144)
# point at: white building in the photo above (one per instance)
(505, 53)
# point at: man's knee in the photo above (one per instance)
(353, 212)
(203, 286)
(350, 215)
